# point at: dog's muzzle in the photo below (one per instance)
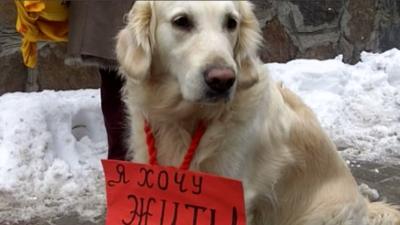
(220, 81)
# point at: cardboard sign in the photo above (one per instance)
(139, 194)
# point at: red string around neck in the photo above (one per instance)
(150, 141)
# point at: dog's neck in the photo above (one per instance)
(174, 122)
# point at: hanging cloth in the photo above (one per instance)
(40, 20)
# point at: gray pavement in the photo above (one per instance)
(63, 220)
(384, 178)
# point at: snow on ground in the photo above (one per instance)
(359, 106)
(50, 146)
(51, 142)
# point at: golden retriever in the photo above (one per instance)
(186, 61)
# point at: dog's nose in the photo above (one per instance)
(219, 79)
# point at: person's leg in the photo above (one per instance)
(113, 112)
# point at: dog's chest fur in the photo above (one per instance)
(242, 147)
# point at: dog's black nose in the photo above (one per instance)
(219, 79)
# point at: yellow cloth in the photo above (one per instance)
(40, 20)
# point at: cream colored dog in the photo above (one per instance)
(187, 61)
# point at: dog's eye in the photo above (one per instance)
(182, 22)
(231, 23)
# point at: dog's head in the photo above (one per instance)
(208, 47)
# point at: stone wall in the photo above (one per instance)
(291, 28)
(325, 28)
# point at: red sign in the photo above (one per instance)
(139, 194)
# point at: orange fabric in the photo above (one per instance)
(40, 20)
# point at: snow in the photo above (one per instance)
(359, 106)
(370, 193)
(50, 146)
(51, 142)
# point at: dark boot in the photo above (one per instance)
(114, 113)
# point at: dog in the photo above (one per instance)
(191, 61)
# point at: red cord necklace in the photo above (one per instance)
(150, 141)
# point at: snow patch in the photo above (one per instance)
(359, 106)
(368, 192)
(51, 144)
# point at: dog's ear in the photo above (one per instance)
(134, 42)
(247, 46)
